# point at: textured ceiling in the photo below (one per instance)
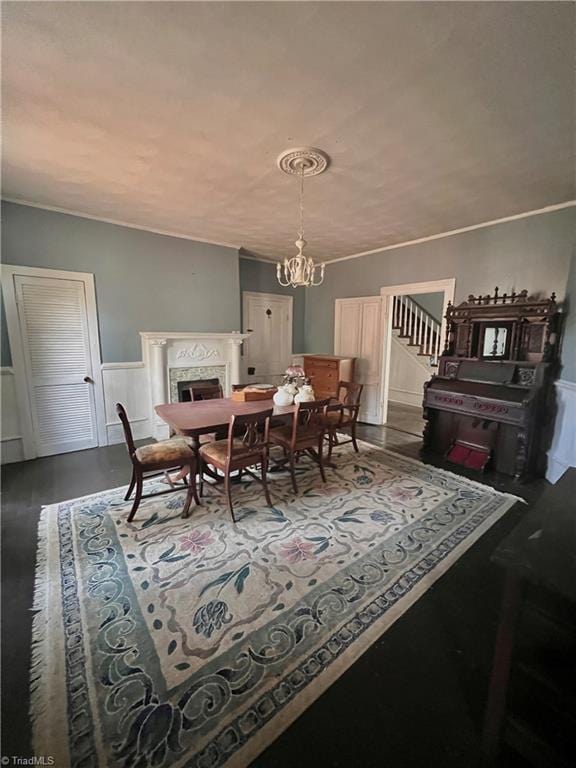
(170, 115)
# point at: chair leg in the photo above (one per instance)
(265, 482)
(228, 492)
(353, 432)
(137, 497)
(131, 486)
(321, 459)
(293, 473)
(330, 444)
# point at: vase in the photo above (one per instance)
(305, 394)
(283, 397)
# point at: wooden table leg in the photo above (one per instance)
(496, 705)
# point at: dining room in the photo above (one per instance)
(287, 360)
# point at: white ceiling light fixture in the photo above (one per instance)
(300, 270)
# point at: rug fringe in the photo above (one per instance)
(40, 624)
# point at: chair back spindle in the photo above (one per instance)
(128, 437)
(309, 416)
(253, 430)
(349, 392)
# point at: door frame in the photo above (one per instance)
(24, 404)
(247, 295)
(447, 286)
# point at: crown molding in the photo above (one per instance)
(243, 254)
(451, 232)
(118, 222)
(253, 257)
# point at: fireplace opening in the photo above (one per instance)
(184, 387)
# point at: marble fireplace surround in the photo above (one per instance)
(163, 351)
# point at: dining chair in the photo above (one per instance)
(152, 460)
(246, 446)
(304, 435)
(342, 414)
(206, 392)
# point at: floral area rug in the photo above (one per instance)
(170, 642)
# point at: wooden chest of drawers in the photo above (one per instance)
(326, 371)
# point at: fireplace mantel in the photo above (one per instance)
(162, 351)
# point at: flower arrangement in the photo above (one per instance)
(296, 387)
(294, 374)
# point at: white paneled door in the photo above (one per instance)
(56, 346)
(268, 351)
(358, 333)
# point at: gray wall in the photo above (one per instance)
(568, 372)
(532, 253)
(261, 277)
(144, 281)
(433, 303)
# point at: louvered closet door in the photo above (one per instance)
(56, 342)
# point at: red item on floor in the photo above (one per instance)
(466, 456)
(458, 454)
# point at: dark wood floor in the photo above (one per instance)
(406, 418)
(415, 698)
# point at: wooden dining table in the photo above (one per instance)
(204, 417)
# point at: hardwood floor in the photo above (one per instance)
(406, 418)
(415, 698)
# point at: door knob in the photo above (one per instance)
(88, 380)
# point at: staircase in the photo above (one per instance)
(419, 329)
(414, 353)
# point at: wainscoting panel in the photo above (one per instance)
(126, 383)
(12, 448)
(562, 453)
(407, 373)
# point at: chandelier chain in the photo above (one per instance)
(302, 203)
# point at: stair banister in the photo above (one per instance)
(419, 339)
(403, 315)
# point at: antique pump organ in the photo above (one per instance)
(491, 404)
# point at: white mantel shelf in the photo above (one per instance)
(166, 350)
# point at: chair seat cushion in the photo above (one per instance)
(217, 452)
(283, 436)
(175, 451)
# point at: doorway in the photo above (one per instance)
(413, 339)
(53, 333)
(268, 351)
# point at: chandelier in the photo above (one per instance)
(301, 270)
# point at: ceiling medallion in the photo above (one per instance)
(300, 270)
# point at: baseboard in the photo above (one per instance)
(562, 453)
(403, 397)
